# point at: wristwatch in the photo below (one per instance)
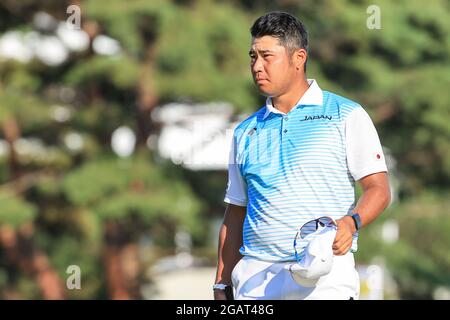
(226, 288)
(220, 286)
(357, 220)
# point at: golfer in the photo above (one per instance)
(296, 159)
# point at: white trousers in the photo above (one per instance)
(260, 280)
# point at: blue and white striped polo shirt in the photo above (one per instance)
(288, 169)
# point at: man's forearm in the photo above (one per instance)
(230, 240)
(373, 202)
(375, 198)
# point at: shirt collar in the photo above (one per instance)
(312, 96)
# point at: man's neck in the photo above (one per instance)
(288, 100)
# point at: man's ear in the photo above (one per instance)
(299, 58)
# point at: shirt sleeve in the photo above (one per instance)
(237, 188)
(364, 152)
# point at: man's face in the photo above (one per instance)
(271, 66)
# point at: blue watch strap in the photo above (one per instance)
(357, 219)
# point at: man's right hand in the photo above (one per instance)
(219, 295)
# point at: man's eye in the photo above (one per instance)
(267, 55)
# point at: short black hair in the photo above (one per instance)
(289, 30)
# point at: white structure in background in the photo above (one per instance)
(44, 21)
(182, 284)
(196, 136)
(105, 45)
(23, 47)
(394, 181)
(28, 147)
(74, 40)
(441, 293)
(123, 141)
(52, 42)
(372, 282)
(50, 50)
(61, 113)
(199, 138)
(4, 148)
(183, 243)
(390, 231)
(375, 282)
(181, 276)
(74, 141)
(13, 45)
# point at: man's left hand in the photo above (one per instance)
(344, 235)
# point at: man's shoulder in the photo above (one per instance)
(344, 105)
(251, 121)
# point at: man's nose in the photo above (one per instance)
(257, 65)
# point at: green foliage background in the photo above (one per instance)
(196, 50)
